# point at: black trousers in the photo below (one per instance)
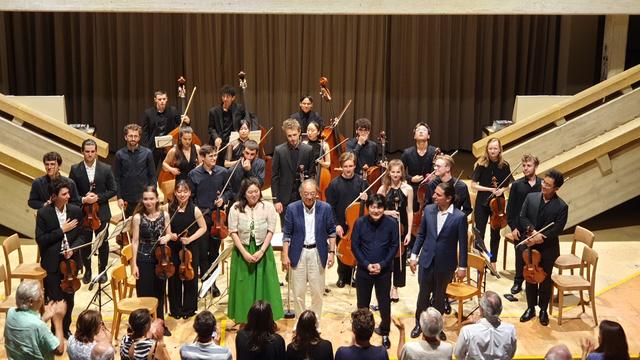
(482, 214)
(208, 248)
(103, 251)
(53, 292)
(148, 284)
(382, 284)
(400, 263)
(519, 278)
(183, 295)
(540, 294)
(433, 285)
(344, 271)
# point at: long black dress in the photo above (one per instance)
(148, 284)
(183, 295)
(399, 277)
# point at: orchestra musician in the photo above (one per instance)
(418, 159)
(306, 115)
(39, 195)
(182, 157)
(443, 165)
(96, 182)
(224, 118)
(539, 210)
(318, 146)
(235, 149)
(159, 120)
(366, 150)
(58, 229)
(251, 166)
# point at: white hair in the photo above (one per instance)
(103, 351)
(28, 292)
(431, 322)
(558, 352)
(491, 306)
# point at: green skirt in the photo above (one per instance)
(250, 282)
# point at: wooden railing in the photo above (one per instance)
(48, 124)
(560, 110)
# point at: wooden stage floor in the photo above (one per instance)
(618, 289)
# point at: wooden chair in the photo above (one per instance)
(23, 270)
(508, 239)
(571, 261)
(9, 300)
(126, 255)
(462, 290)
(471, 219)
(122, 304)
(585, 281)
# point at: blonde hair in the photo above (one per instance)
(290, 124)
(386, 180)
(484, 160)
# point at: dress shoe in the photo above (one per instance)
(215, 292)
(386, 342)
(102, 279)
(166, 331)
(416, 331)
(529, 314)
(187, 316)
(442, 336)
(447, 307)
(377, 330)
(395, 300)
(176, 316)
(340, 283)
(516, 288)
(86, 278)
(544, 317)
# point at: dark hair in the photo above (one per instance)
(449, 190)
(244, 186)
(260, 325)
(204, 325)
(52, 156)
(251, 145)
(613, 341)
(87, 142)
(363, 123)
(244, 122)
(139, 323)
(307, 333)
(179, 155)
(88, 325)
(57, 185)
(362, 324)
(314, 123)
(306, 97)
(558, 178)
(173, 206)
(159, 92)
(228, 90)
(140, 206)
(206, 150)
(377, 200)
(422, 124)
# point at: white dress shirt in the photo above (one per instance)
(62, 218)
(442, 217)
(309, 224)
(486, 341)
(91, 171)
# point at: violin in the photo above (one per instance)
(69, 270)
(185, 270)
(122, 239)
(219, 228)
(532, 271)
(164, 266)
(330, 132)
(421, 195)
(498, 205)
(91, 220)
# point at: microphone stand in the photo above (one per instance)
(98, 294)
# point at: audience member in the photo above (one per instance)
(258, 339)
(144, 338)
(26, 334)
(90, 330)
(489, 338)
(103, 351)
(362, 324)
(307, 343)
(612, 340)
(429, 346)
(206, 344)
(558, 352)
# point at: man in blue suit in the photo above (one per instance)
(442, 228)
(309, 245)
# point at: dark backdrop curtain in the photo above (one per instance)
(458, 73)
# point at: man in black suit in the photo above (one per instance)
(306, 114)
(57, 225)
(96, 182)
(223, 119)
(538, 210)
(159, 120)
(40, 195)
(443, 229)
(287, 161)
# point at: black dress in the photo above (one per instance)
(323, 350)
(271, 350)
(399, 277)
(183, 295)
(185, 165)
(148, 284)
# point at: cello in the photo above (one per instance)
(497, 205)
(330, 133)
(91, 220)
(373, 172)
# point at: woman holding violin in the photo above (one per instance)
(187, 226)
(148, 233)
(252, 223)
(318, 146)
(236, 147)
(491, 178)
(182, 157)
(398, 197)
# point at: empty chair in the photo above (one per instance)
(122, 304)
(9, 299)
(572, 261)
(22, 270)
(462, 290)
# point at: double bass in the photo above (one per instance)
(331, 133)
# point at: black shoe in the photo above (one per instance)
(386, 342)
(544, 318)
(395, 300)
(102, 279)
(187, 316)
(516, 288)
(447, 307)
(374, 307)
(416, 332)
(340, 283)
(175, 316)
(86, 278)
(215, 292)
(166, 331)
(67, 334)
(529, 314)
(377, 331)
(327, 290)
(442, 336)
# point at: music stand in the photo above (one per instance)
(100, 290)
(120, 227)
(211, 275)
(97, 241)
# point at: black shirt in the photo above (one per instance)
(416, 164)
(271, 350)
(519, 191)
(342, 192)
(462, 200)
(323, 350)
(305, 118)
(155, 123)
(366, 154)
(205, 186)
(375, 242)
(483, 175)
(133, 171)
(40, 194)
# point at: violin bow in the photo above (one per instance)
(265, 135)
(330, 150)
(369, 187)
(186, 109)
(205, 212)
(166, 226)
(434, 171)
(522, 243)
(458, 178)
(503, 181)
(229, 179)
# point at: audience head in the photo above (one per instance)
(306, 330)
(491, 306)
(139, 323)
(88, 325)
(103, 351)
(362, 324)
(205, 326)
(260, 324)
(613, 341)
(431, 323)
(29, 295)
(558, 352)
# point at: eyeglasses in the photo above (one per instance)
(309, 194)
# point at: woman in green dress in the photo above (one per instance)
(252, 223)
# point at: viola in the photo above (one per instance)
(164, 266)
(69, 270)
(532, 271)
(498, 206)
(331, 133)
(91, 220)
(421, 194)
(122, 239)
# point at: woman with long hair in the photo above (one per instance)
(143, 340)
(90, 330)
(148, 232)
(182, 157)
(258, 339)
(183, 294)
(313, 139)
(307, 343)
(235, 149)
(612, 343)
(398, 195)
(252, 223)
